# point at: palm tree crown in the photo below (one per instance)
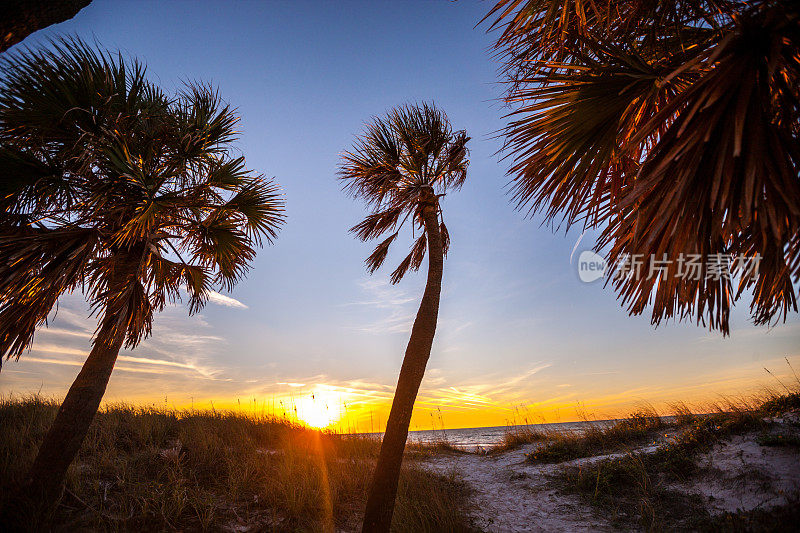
(402, 162)
(673, 127)
(114, 187)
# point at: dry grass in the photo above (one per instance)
(517, 436)
(559, 445)
(423, 450)
(638, 428)
(634, 487)
(161, 469)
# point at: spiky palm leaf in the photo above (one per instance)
(401, 161)
(673, 127)
(114, 187)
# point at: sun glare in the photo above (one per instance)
(317, 410)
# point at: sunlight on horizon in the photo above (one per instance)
(346, 409)
(319, 409)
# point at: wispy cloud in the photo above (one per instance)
(393, 306)
(82, 354)
(227, 301)
(143, 365)
(68, 332)
(497, 392)
(182, 347)
(161, 362)
(59, 349)
(382, 294)
(503, 387)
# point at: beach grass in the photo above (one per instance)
(151, 468)
(595, 438)
(557, 444)
(156, 468)
(635, 486)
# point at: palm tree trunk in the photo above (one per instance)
(383, 489)
(62, 442)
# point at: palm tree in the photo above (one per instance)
(401, 166)
(20, 18)
(115, 188)
(674, 128)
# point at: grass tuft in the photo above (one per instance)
(781, 403)
(639, 427)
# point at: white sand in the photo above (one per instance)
(746, 476)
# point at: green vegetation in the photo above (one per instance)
(756, 521)
(782, 403)
(770, 439)
(160, 469)
(518, 436)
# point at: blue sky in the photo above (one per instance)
(517, 327)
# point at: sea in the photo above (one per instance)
(471, 439)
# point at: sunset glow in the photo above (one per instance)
(318, 410)
(309, 334)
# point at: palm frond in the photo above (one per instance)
(37, 266)
(418, 252)
(445, 238)
(673, 127)
(376, 259)
(401, 162)
(376, 224)
(401, 269)
(576, 167)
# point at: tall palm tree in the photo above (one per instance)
(401, 166)
(113, 187)
(674, 128)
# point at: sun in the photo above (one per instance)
(317, 411)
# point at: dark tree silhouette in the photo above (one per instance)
(20, 18)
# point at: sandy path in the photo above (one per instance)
(513, 496)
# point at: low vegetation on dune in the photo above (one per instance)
(656, 486)
(733, 466)
(150, 468)
(557, 445)
(638, 428)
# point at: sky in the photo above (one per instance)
(520, 337)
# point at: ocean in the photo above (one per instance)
(473, 438)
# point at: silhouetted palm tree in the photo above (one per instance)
(20, 18)
(112, 187)
(400, 167)
(673, 127)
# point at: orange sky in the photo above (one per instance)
(362, 407)
(537, 395)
